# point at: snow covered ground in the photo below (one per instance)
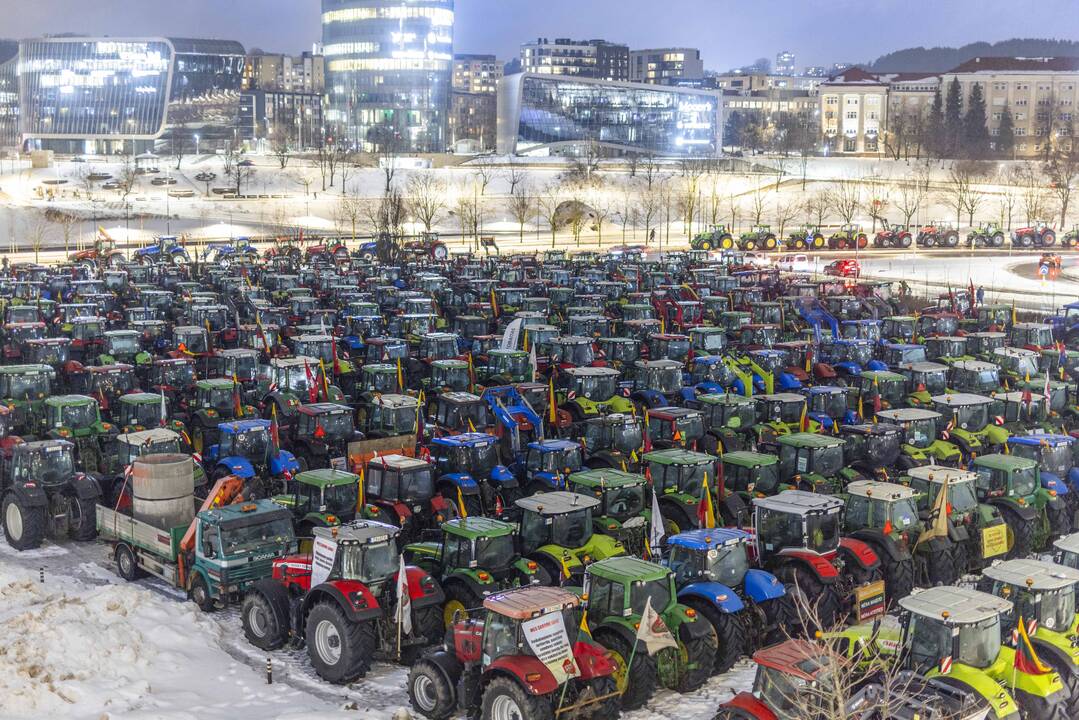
(84, 644)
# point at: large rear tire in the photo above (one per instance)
(730, 634)
(24, 527)
(699, 658)
(427, 627)
(505, 699)
(340, 651)
(1022, 533)
(82, 517)
(430, 692)
(643, 672)
(264, 615)
(824, 604)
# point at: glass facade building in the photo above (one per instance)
(542, 114)
(389, 67)
(9, 104)
(106, 95)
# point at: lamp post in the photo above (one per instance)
(196, 143)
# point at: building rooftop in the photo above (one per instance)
(1018, 64)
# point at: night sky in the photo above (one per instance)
(728, 32)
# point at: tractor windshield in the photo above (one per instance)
(124, 344)
(575, 354)
(598, 388)
(567, 460)
(903, 514)
(24, 386)
(477, 460)
(401, 420)
(735, 415)
(340, 499)
(727, 565)
(1058, 609)
(512, 364)
(50, 465)
(378, 381)
(251, 444)
(685, 479)
(822, 532)
(335, 425)
(658, 591)
(294, 377)
(785, 412)
(920, 433)
(176, 374)
(495, 553)
(416, 486)
(960, 496)
(77, 416)
(192, 342)
(369, 563)
(781, 692)
(667, 380)
(626, 502)
(218, 398)
(972, 417)
(453, 377)
(240, 537)
(983, 381)
(573, 529)
(832, 404)
(1056, 460)
(1024, 480)
(711, 343)
(979, 643)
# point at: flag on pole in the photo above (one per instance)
(656, 532)
(1046, 393)
(1026, 660)
(552, 408)
(471, 373)
(706, 513)
(325, 380)
(653, 632)
(336, 362)
(237, 403)
(312, 386)
(400, 377)
(494, 303)
(1013, 312)
(938, 517)
(461, 503)
(275, 429)
(403, 616)
(164, 409)
(532, 362)
(361, 496)
(809, 360)
(876, 395)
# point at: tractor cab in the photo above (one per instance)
(321, 498)
(954, 624)
(54, 351)
(797, 520)
(678, 477)
(469, 463)
(458, 412)
(1055, 456)
(131, 446)
(558, 531)
(728, 417)
(139, 411)
(385, 350)
(937, 324)
(972, 376)
(811, 461)
(105, 383)
(623, 498)
(123, 346)
(861, 330)
(23, 388)
(970, 415)
(449, 375)
(883, 506)
(920, 427)
(872, 447)
(239, 363)
(895, 355)
(675, 427)
(829, 406)
(946, 349)
(890, 387)
(668, 346)
(657, 377)
(549, 462)
(847, 357)
(316, 346)
(708, 373)
(571, 352)
(191, 340)
(1017, 363)
(793, 677)
(1044, 595)
(390, 415)
(983, 344)
(1022, 411)
(1031, 336)
(751, 474)
(899, 329)
(779, 413)
(616, 435)
(439, 346)
(505, 367)
(174, 376)
(324, 431)
(403, 489)
(706, 340)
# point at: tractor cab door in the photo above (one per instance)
(929, 641)
(499, 637)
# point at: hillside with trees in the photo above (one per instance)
(942, 59)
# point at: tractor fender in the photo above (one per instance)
(85, 486)
(816, 564)
(466, 483)
(282, 461)
(1073, 479)
(716, 594)
(689, 394)
(689, 627)
(355, 598)
(503, 476)
(787, 382)
(707, 388)
(238, 466)
(450, 667)
(550, 480)
(1051, 482)
(423, 589)
(823, 371)
(846, 367)
(1026, 513)
(877, 539)
(621, 627)
(735, 504)
(876, 366)
(520, 667)
(470, 578)
(746, 706)
(761, 586)
(859, 552)
(30, 494)
(651, 398)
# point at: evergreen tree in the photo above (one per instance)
(934, 127)
(953, 118)
(1006, 136)
(975, 126)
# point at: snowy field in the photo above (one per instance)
(85, 645)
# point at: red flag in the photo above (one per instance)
(275, 430)
(1026, 660)
(1027, 397)
(876, 403)
(336, 362)
(312, 385)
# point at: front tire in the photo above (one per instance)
(430, 692)
(127, 565)
(265, 615)
(1022, 533)
(505, 699)
(24, 527)
(340, 651)
(200, 594)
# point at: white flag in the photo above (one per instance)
(512, 334)
(404, 602)
(532, 361)
(164, 409)
(653, 632)
(656, 531)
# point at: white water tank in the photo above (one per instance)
(162, 489)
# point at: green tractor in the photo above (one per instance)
(1024, 412)
(138, 411)
(812, 462)
(807, 237)
(617, 592)
(293, 381)
(921, 445)
(924, 380)
(1044, 596)
(1034, 515)
(885, 517)
(946, 349)
(123, 346)
(622, 513)
(778, 414)
(557, 533)
(976, 528)
(971, 423)
(320, 498)
(988, 234)
(747, 474)
(23, 389)
(974, 376)
(677, 477)
(591, 391)
(77, 419)
(848, 237)
(760, 237)
(728, 422)
(475, 557)
(610, 441)
(717, 237)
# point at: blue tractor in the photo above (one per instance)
(828, 406)
(1066, 323)
(776, 362)
(747, 607)
(547, 464)
(245, 449)
(1055, 455)
(468, 464)
(240, 249)
(707, 375)
(847, 357)
(166, 248)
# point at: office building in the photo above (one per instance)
(305, 73)
(389, 67)
(1041, 93)
(476, 73)
(665, 66)
(597, 59)
(9, 103)
(474, 104)
(784, 63)
(109, 95)
(547, 115)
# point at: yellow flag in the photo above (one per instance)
(361, 498)
(583, 629)
(553, 410)
(471, 426)
(326, 380)
(939, 528)
(461, 502)
(400, 377)
(708, 511)
(1013, 312)
(494, 303)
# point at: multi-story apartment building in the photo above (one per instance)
(474, 103)
(784, 63)
(476, 73)
(665, 66)
(853, 112)
(1042, 94)
(597, 59)
(305, 73)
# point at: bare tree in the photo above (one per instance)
(1033, 193)
(515, 175)
(649, 171)
(909, 201)
(231, 155)
(522, 205)
(845, 198)
(242, 173)
(650, 203)
(425, 194)
(350, 209)
(1063, 174)
(757, 206)
(627, 213)
(36, 231)
(601, 212)
(817, 208)
(327, 158)
(548, 202)
(386, 214)
(179, 143)
(126, 178)
(785, 214)
(279, 147)
(348, 163)
(734, 209)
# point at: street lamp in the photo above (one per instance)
(196, 143)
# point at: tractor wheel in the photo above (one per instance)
(770, 242)
(82, 517)
(643, 673)
(705, 245)
(822, 599)
(24, 527)
(1021, 531)
(1068, 676)
(340, 650)
(951, 239)
(200, 594)
(609, 709)
(898, 574)
(265, 615)
(1026, 240)
(783, 612)
(998, 240)
(439, 252)
(961, 558)
(430, 692)
(818, 241)
(726, 242)
(126, 563)
(862, 241)
(426, 625)
(505, 699)
(750, 245)
(1049, 239)
(701, 653)
(730, 634)
(940, 568)
(459, 598)
(1059, 522)
(678, 519)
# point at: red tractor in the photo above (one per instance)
(340, 602)
(489, 668)
(938, 234)
(1037, 235)
(284, 248)
(102, 254)
(332, 251)
(428, 245)
(893, 236)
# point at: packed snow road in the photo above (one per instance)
(85, 645)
